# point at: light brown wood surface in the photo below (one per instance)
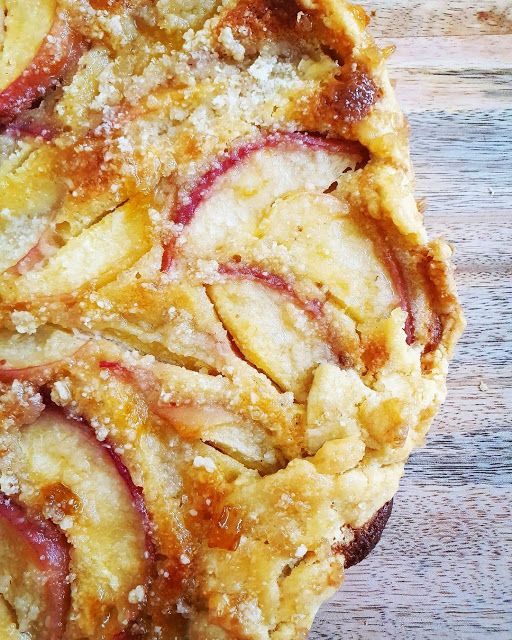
(444, 566)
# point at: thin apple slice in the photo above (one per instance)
(116, 242)
(332, 249)
(38, 49)
(222, 209)
(36, 357)
(88, 491)
(34, 564)
(175, 322)
(284, 341)
(211, 422)
(25, 27)
(29, 198)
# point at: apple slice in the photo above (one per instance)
(87, 490)
(328, 250)
(213, 423)
(36, 357)
(38, 49)
(116, 242)
(29, 198)
(222, 209)
(332, 249)
(285, 342)
(34, 564)
(175, 322)
(228, 432)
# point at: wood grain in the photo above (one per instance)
(443, 568)
(397, 18)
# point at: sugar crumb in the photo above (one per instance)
(137, 595)
(206, 463)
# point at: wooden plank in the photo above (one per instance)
(469, 53)
(420, 91)
(424, 71)
(463, 163)
(395, 18)
(444, 563)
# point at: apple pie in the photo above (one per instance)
(223, 328)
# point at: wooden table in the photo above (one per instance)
(443, 568)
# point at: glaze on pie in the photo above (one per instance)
(223, 327)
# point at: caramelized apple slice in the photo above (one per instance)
(35, 357)
(37, 51)
(29, 198)
(284, 342)
(325, 246)
(87, 490)
(223, 208)
(330, 247)
(238, 436)
(34, 563)
(116, 241)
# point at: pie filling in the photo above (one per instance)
(222, 326)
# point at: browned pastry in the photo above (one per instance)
(365, 538)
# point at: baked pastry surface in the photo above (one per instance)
(223, 326)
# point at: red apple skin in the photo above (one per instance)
(189, 204)
(32, 125)
(249, 272)
(136, 493)
(46, 245)
(402, 291)
(43, 72)
(117, 369)
(37, 374)
(49, 552)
